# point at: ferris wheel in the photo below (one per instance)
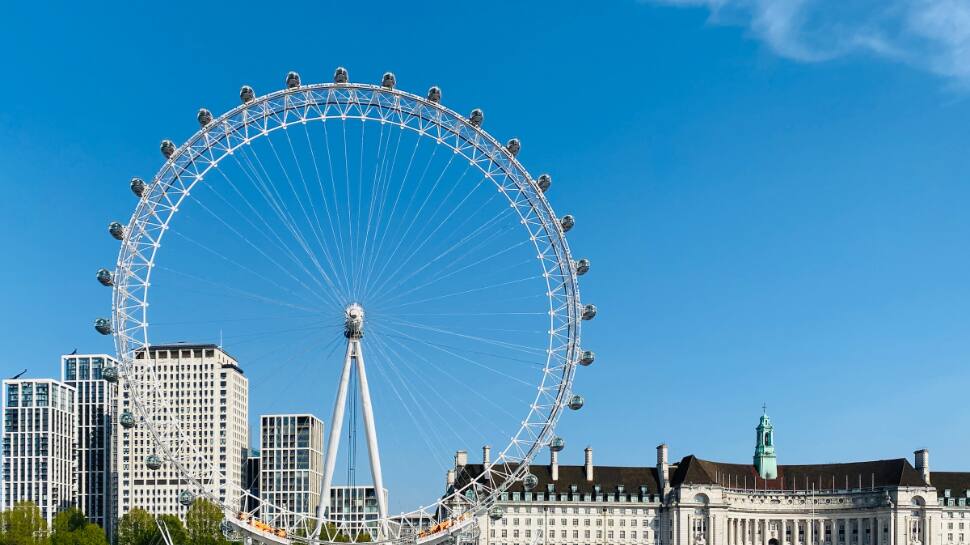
(324, 221)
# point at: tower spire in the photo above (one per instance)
(765, 461)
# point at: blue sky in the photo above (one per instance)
(769, 221)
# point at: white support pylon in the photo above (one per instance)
(354, 331)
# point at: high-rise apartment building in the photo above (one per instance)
(39, 436)
(95, 407)
(206, 388)
(355, 507)
(291, 465)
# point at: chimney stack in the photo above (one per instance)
(554, 464)
(450, 480)
(486, 455)
(923, 463)
(663, 467)
(461, 459)
(589, 464)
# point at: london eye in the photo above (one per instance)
(322, 223)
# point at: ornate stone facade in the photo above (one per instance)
(700, 502)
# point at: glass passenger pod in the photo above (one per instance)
(582, 266)
(292, 80)
(544, 181)
(496, 513)
(589, 312)
(434, 94)
(246, 94)
(204, 116)
(104, 277)
(127, 420)
(340, 75)
(587, 357)
(186, 498)
(567, 222)
(530, 481)
(137, 186)
(116, 230)
(476, 117)
(576, 402)
(388, 81)
(167, 147)
(103, 326)
(513, 145)
(110, 374)
(557, 444)
(153, 462)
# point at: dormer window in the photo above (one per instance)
(573, 488)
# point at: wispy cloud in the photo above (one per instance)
(932, 35)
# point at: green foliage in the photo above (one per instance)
(137, 527)
(175, 529)
(23, 525)
(71, 528)
(202, 522)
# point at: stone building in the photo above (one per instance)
(701, 502)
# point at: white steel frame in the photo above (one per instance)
(189, 165)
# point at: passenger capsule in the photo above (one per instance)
(557, 444)
(576, 402)
(544, 182)
(513, 146)
(127, 420)
(471, 494)
(153, 462)
(186, 498)
(587, 357)
(104, 277)
(530, 481)
(103, 326)
(388, 81)
(476, 117)
(204, 116)
(116, 230)
(137, 186)
(340, 75)
(582, 266)
(167, 148)
(246, 94)
(589, 312)
(434, 94)
(110, 374)
(496, 513)
(567, 223)
(292, 80)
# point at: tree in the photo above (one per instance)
(175, 529)
(23, 525)
(203, 523)
(137, 527)
(71, 528)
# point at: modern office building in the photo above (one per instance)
(355, 507)
(96, 407)
(701, 502)
(206, 388)
(39, 436)
(291, 466)
(253, 462)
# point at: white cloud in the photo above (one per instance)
(933, 35)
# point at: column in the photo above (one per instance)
(809, 531)
(782, 536)
(796, 531)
